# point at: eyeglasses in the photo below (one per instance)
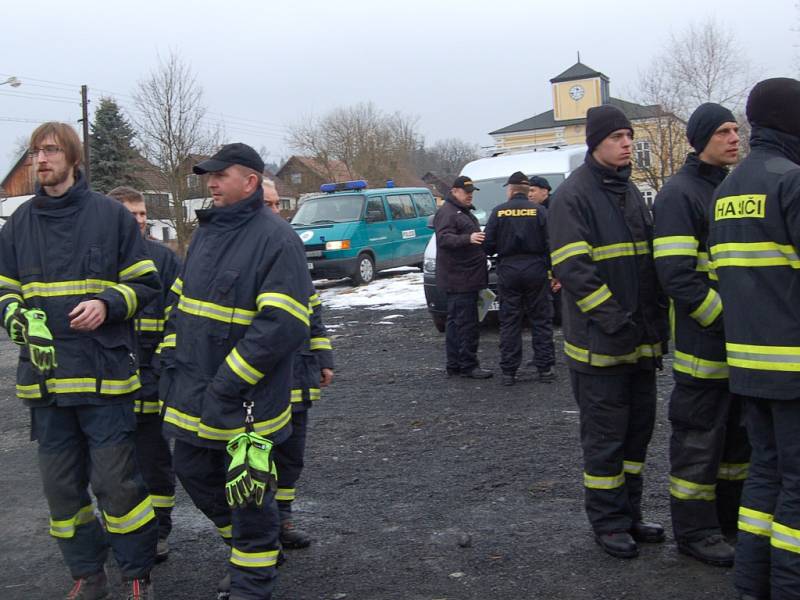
(49, 151)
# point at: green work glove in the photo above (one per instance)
(238, 483)
(262, 468)
(15, 323)
(40, 341)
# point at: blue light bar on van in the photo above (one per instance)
(342, 186)
(390, 183)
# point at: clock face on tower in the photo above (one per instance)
(576, 92)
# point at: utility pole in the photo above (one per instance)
(85, 119)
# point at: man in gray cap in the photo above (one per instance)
(708, 448)
(240, 312)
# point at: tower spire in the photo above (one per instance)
(579, 56)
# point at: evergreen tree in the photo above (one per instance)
(112, 154)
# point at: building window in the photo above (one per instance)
(642, 150)
(297, 178)
(286, 204)
(649, 196)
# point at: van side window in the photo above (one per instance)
(401, 206)
(425, 204)
(375, 210)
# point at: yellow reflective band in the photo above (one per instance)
(65, 288)
(264, 428)
(675, 245)
(81, 385)
(11, 296)
(115, 387)
(169, 341)
(745, 206)
(150, 325)
(181, 419)
(177, 287)
(141, 514)
(226, 532)
(605, 360)
(699, 368)
(282, 301)
(320, 343)
(755, 254)
(568, 251)
(129, 296)
(162, 501)
(709, 309)
(631, 467)
(285, 494)
(242, 368)
(785, 538)
(313, 394)
(254, 560)
(297, 396)
(314, 300)
(65, 529)
(703, 263)
(763, 358)
(10, 283)
(209, 310)
(597, 482)
(686, 490)
(755, 522)
(168, 311)
(137, 270)
(595, 299)
(619, 250)
(733, 471)
(147, 407)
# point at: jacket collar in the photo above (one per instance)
(449, 198)
(56, 205)
(772, 140)
(710, 173)
(234, 215)
(615, 180)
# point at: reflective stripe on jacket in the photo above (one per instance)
(315, 354)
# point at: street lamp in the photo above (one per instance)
(12, 81)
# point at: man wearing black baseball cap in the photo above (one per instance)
(240, 311)
(461, 272)
(706, 454)
(614, 326)
(517, 232)
(754, 242)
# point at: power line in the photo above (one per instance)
(42, 97)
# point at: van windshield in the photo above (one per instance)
(493, 193)
(330, 209)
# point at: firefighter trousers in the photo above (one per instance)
(522, 295)
(462, 331)
(617, 414)
(252, 531)
(289, 456)
(709, 456)
(93, 444)
(155, 462)
(768, 545)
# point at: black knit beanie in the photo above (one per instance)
(603, 120)
(705, 120)
(775, 103)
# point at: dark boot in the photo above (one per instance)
(547, 375)
(649, 533)
(293, 539)
(477, 373)
(618, 544)
(509, 379)
(162, 550)
(92, 587)
(712, 550)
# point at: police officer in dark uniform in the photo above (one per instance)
(754, 242)
(517, 232)
(461, 272)
(539, 192)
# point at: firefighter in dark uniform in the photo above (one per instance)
(461, 271)
(754, 242)
(73, 273)
(153, 452)
(517, 232)
(708, 448)
(614, 326)
(241, 313)
(313, 369)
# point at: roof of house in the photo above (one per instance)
(284, 191)
(577, 71)
(546, 120)
(20, 162)
(332, 169)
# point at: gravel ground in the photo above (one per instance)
(416, 487)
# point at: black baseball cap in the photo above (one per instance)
(465, 183)
(230, 154)
(537, 181)
(517, 178)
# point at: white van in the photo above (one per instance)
(489, 174)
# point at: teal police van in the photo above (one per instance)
(353, 231)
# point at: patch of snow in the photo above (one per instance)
(402, 292)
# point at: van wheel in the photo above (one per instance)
(439, 321)
(365, 270)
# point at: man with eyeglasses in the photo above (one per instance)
(73, 273)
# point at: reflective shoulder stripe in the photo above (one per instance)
(785, 537)
(242, 368)
(11, 284)
(568, 251)
(595, 299)
(320, 343)
(754, 521)
(699, 368)
(599, 482)
(675, 245)
(129, 296)
(754, 254)
(135, 519)
(284, 302)
(687, 490)
(733, 471)
(633, 467)
(709, 309)
(254, 560)
(65, 528)
(764, 358)
(137, 270)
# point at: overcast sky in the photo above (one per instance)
(464, 68)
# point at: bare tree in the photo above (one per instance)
(445, 158)
(172, 131)
(20, 146)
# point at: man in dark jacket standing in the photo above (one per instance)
(73, 273)
(614, 326)
(461, 272)
(241, 313)
(708, 448)
(517, 232)
(754, 241)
